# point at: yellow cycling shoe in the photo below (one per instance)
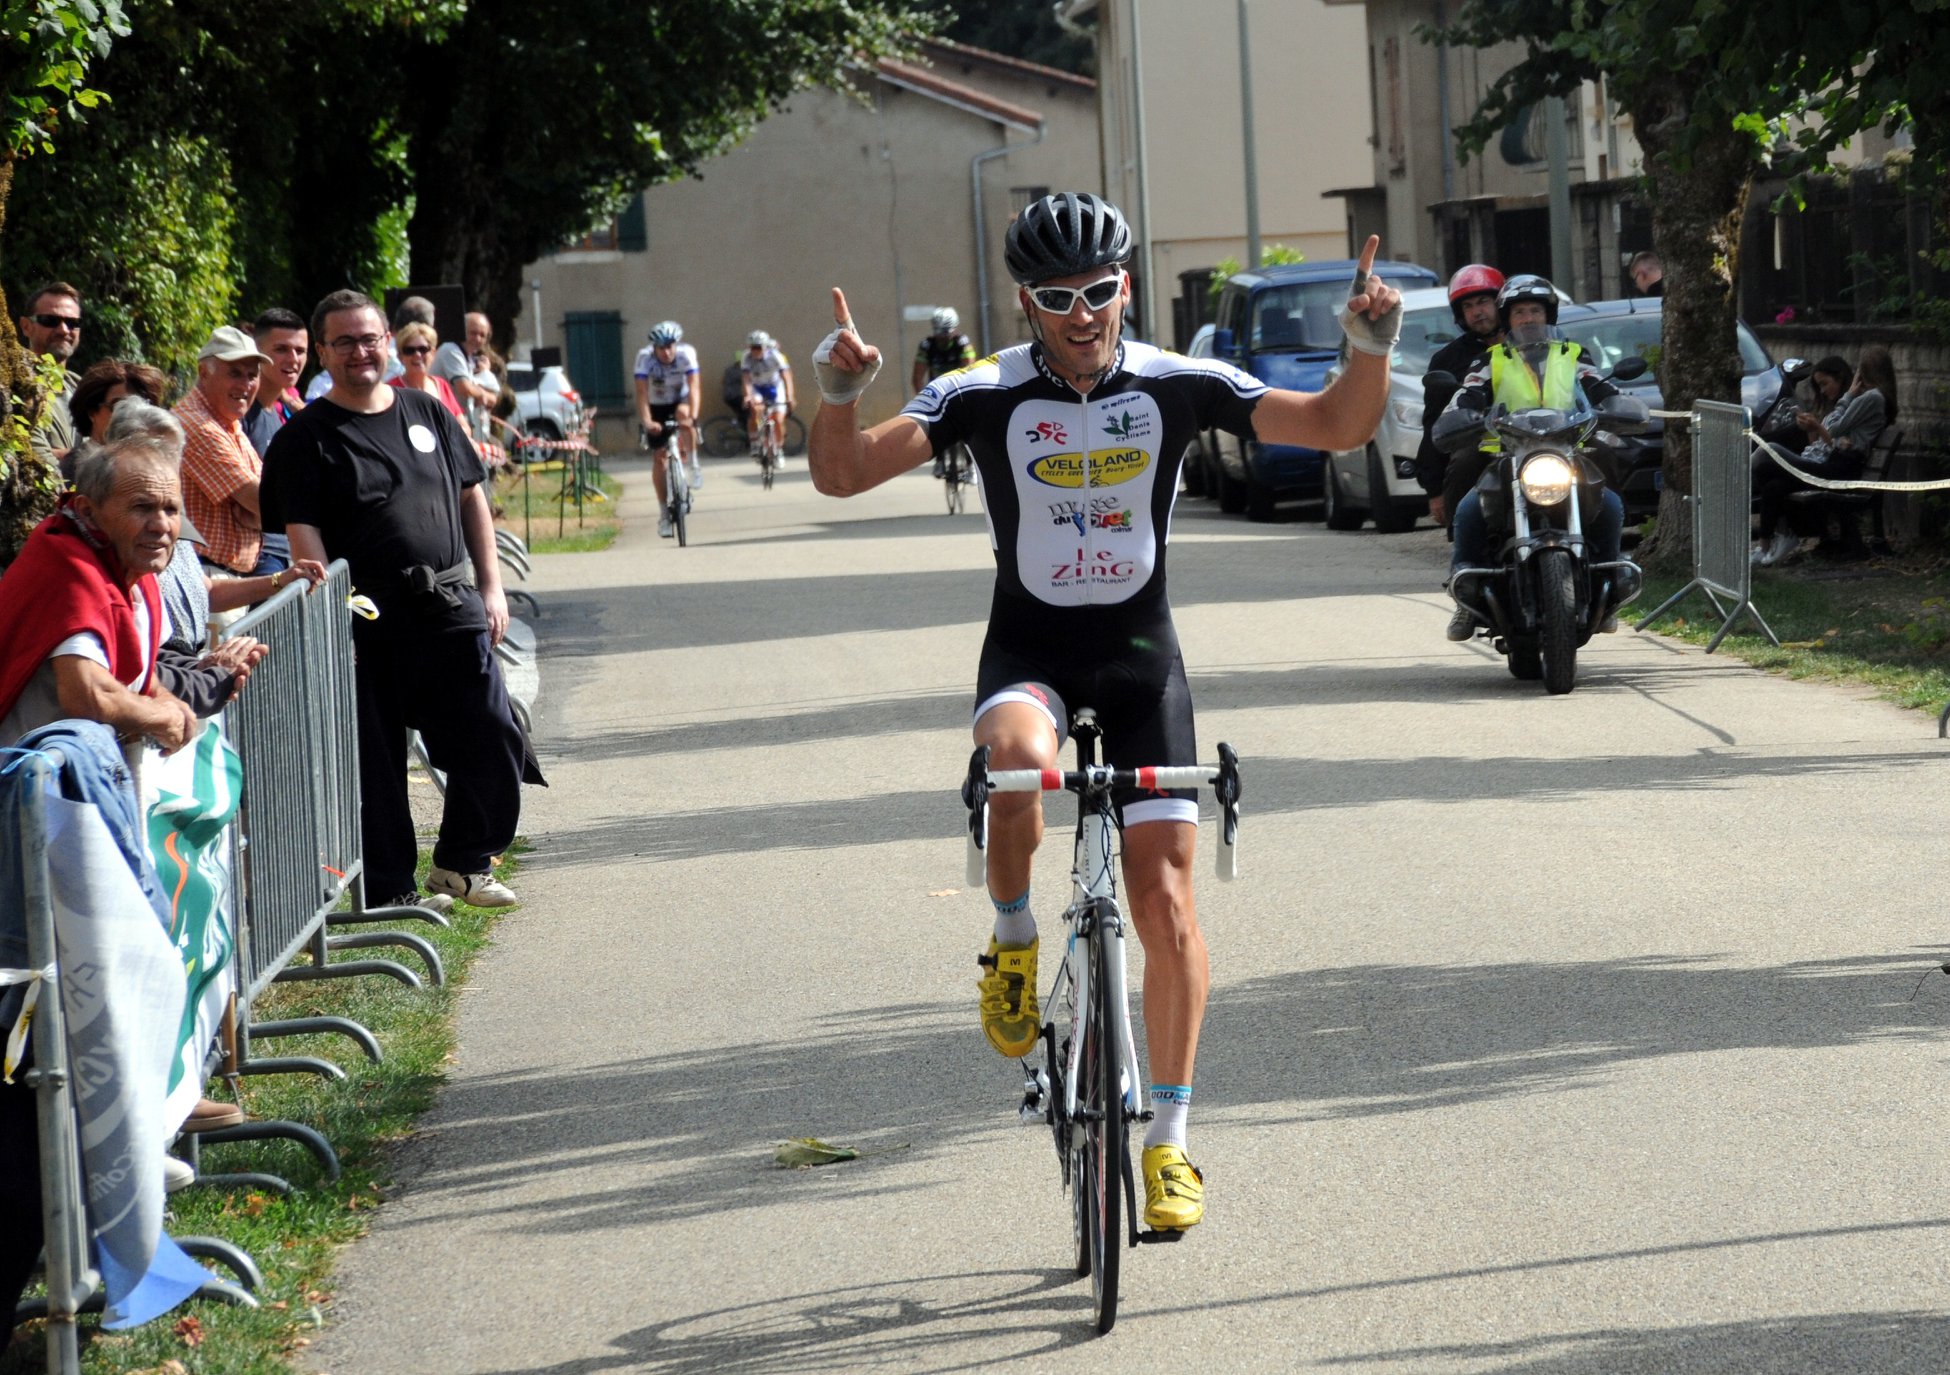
(1174, 1190)
(1010, 1017)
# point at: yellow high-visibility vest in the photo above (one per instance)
(1514, 384)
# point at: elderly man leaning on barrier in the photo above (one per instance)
(383, 478)
(81, 615)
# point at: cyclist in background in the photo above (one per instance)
(666, 395)
(945, 350)
(768, 388)
(1078, 438)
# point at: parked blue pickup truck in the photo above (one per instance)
(1282, 324)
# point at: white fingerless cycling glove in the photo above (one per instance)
(836, 384)
(1373, 336)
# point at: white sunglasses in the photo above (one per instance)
(1061, 300)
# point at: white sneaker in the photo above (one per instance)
(177, 1174)
(1784, 545)
(697, 474)
(477, 890)
(664, 527)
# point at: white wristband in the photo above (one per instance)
(1373, 336)
(837, 385)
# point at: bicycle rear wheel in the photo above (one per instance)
(724, 436)
(1099, 1177)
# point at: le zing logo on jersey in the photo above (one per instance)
(1107, 467)
(1102, 566)
(1047, 432)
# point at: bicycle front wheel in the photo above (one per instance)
(795, 435)
(677, 486)
(1099, 1182)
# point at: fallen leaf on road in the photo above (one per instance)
(807, 1151)
(944, 892)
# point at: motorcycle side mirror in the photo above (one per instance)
(1795, 369)
(1623, 414)
(1437, 388)
(1457, 431)
(1628, 370)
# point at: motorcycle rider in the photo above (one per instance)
(1527, 309)
(1472, 300)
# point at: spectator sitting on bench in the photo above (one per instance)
(1838, 442)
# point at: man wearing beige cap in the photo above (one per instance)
(221, 469)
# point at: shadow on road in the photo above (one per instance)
(1375, 1039)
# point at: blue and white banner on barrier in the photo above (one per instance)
(122, 990)
(195, 794)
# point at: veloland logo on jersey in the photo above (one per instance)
(1107, 467)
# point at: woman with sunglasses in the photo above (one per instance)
(416, 344)
(1079, 437)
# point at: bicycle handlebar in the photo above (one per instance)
(1100, 776)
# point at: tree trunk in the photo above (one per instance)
(1699, 198)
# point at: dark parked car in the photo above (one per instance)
(1612, 331)
(1282, 324)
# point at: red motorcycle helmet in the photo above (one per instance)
(1473, 280)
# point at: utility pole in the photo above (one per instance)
(1252, 156)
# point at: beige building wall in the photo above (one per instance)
(874, 196)
(1311, 123)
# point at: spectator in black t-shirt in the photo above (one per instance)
(384, 479)
(1472, 300)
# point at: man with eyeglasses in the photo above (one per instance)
(50, 327)
(1079, 437)
(384, 478)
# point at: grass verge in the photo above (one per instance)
(1884, 624)
(547, 519)
(293, 1240)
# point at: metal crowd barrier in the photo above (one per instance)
(1722, 503)
(298, 856)
(73, 1286)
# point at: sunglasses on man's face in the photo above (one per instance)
(1061, 300)
(72, 322)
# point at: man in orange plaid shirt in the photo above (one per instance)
(221, 469)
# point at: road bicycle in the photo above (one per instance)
(768, 452)
(1085, 1086)
(957, 472)
(677, 486)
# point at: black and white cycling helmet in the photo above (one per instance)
(666, 332)
(946, 321)
(1527, 287)
(758, 339)
(1064, 234)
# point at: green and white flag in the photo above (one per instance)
(196, 795)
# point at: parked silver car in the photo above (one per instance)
(1378, 479)
(552, 410)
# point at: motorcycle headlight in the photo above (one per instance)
(1546, 479)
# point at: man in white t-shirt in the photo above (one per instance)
(465, 373)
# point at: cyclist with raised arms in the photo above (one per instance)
(1078, 437)
(768, 387)
(943, 351)
(666, 395)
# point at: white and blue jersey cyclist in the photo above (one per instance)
(666, 399)
(1079, 438)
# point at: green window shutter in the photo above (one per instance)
(632, 233)
(595, 357)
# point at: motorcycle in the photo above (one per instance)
(1780, 400)
(1545, 598)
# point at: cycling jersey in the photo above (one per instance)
(1078, 490)
(669, 382)
(765, 370)
(944, 353)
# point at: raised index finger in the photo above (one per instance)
(1364, 267)
(841, 315)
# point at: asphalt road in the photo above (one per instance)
(1553, 1035)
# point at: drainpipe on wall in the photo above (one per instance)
(1149, 322)
(1442, 95)
(982, 229)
